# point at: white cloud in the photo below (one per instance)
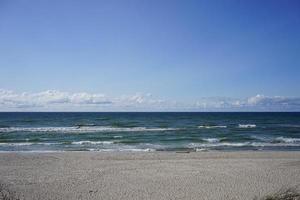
(262, 100)
(255, 103)
(49, 98)
(53, 100)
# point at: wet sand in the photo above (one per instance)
(157, 175)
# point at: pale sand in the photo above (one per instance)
(169, 175)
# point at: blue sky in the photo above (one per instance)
(178, 51)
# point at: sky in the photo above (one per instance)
(149, 55)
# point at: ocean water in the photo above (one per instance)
(149, 131)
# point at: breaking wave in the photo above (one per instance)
(84, 129)
(208, 127)
(211, 140)
(241, 144)
(26, 143)
(287, 140)
(92, 142)
(247, 126)
(123, 150)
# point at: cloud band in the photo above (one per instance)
(53, 100)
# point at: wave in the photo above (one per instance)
(84, 125)
(83, 129)
(211, 140)
(92, 142)
(290, 125)
(33, 151)
(247, 126)
(124, 125)
(276, 140)
(26, 143)
(194, 145)
(123, 150)
(287, 140)
(143, 147)
(241, 144)
(208, 127)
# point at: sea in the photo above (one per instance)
(149, 131)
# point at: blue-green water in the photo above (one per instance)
(149, 131)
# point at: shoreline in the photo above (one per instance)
(184, 151)
(149, 175)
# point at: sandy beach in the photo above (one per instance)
(165, 175)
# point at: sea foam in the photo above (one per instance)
(92, 142)
(241, 144)
(26, 143)
(84, 129)
(211, 140)
(208, 127)
(287, 140)
(247, 126)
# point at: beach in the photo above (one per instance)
(152, 175)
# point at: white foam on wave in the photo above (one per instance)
(290, 125)
(208, 127)
(25, 143)
(277, 139)
(261, 138)
(123, 150)
(241, 144)
(143, 147)
(287, 140)
(138, 150)
(33, 151)
(265, 144)
(81, 129)
(247, 126)
(201, 149)
(92, 142)
(211, 140)
(193, 145)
